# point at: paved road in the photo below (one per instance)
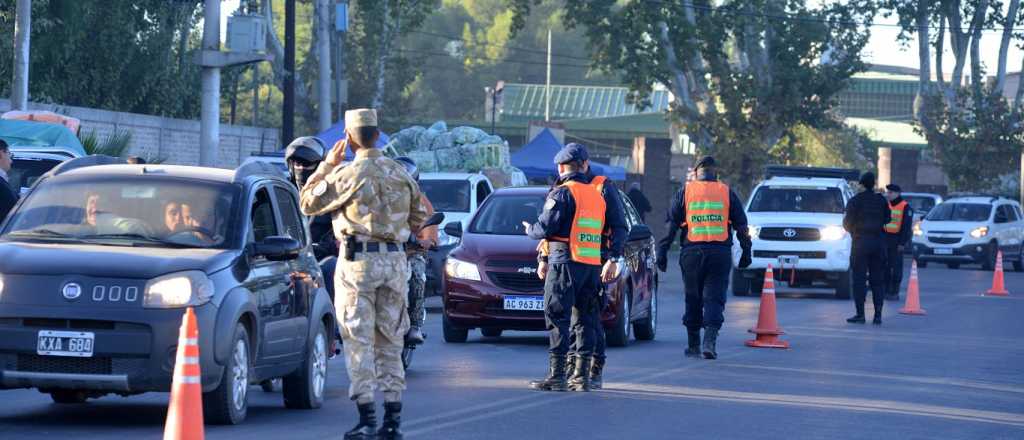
(957, 373)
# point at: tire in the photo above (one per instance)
(740, 285)
(304, 389)
(844, 285)
(619, 335)
(953, 266)
(68, 397)
(453, 334)
(647, 328)
(229, 403)
(491, 332)
(989, 263)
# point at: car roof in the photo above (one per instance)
(917, 194)
(984, 200)
(182, 171)
(447, 176)
(805, 181)
(522, 191)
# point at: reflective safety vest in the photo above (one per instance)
(707, 211)
(585, 237)
(896, 223)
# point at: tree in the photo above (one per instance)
(743, 73)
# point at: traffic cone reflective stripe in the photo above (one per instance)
(185, 413)
(998, 288)
(767, 329)
(913, 304)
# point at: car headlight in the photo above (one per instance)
(979, 232)
(180, 289)
(753, 230)
(832, 233)
(446, 240)
(917, 229)
(1, 287)
(461, 269)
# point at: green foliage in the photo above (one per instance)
(115, 146)
(837, 146)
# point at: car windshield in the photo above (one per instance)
(24, 172)
(447, 195)
(960, 212)
(132, 211)
(797, 199)
(920, 204)
(504, 215)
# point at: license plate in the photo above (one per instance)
(943, 251)
(58, 343)
(524, 303)
(788, 260)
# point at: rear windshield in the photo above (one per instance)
(447, 195)
(797, 199)
(504, 215)
(960, 212)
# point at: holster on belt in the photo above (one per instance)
(350, 248)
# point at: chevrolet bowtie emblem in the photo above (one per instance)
(527, 270)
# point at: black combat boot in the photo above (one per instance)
(693, 343)
(596, 373)
(581, 375)
(556, 376)
(710, 340)
(878, 318)
(389, 429)
(367, 427)
(859, 317)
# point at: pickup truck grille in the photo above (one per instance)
(795, 234)
(80, 365)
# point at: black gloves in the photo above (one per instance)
(745, 259)
(662, 262)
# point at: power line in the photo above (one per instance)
(504, 60)
(504, 46)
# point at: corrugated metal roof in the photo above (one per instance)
(575, 102)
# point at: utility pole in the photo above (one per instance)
(547, 84)
(341, 85)
(209, 123)
(288, 112)
(22, 31)
(323, 15)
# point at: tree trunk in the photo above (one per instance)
(1017, 99)
(976, 24)
(1004, 45)
(384, 54)
(959, 42)
(940, 46)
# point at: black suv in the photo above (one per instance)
(99, 261)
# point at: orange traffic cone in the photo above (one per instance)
(913, 304)
(185, 414)
(767, 329)
(998, 289)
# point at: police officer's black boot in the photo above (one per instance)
(389, 430)
(878, 318)
(693, 343)
(570, 369)
(859, 317)
(556, 376)
(596, 374)
(581, 375)
(710, 341)
(367, 427)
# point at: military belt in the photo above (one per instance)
(374, 246)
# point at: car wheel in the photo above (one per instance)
(647, 328)
(229, 403)
(619, 335)
(304, 389)
(453, 334)
(989, 262)
(953, 265)
(66, 397)
(740, 285)
(843, 285)
(491, 332)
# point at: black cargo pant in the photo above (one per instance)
(600, 343)
(868, 263)
(570, 297)
(706, 278)
(893, 267)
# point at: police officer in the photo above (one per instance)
(578, 217)
(867, 213)
(375, 206)
(707, 212)
(417, 255)
(898, 233)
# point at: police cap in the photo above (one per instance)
(706, 161)
(893, 187)
(572, 152)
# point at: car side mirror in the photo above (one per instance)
(277, 248)
(453, 229)
(640, 232)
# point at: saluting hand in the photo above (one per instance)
(337, 154)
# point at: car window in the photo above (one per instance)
(921, 204)
(262, 215)
(482, 191)
(505, 215)
(24, 172)
(797, 199)
(1004, 214)
(290, 219)
(1011, 213)
(1020, 215)
(960, 212)
(447, 195)
(632, 219)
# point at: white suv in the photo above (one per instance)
(970, 229)
(796, 224)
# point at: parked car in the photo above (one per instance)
(274, 159)
(921, 203)
(98, 267)
(457, 195)
(796, 226)
(491, 278)
(971, 229)
(37, 147)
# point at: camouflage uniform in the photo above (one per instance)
(418, 265)
(373, 200)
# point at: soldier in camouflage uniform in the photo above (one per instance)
(426, 240)
(374, 206)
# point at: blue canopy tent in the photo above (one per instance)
(337, 132)
(537, 159)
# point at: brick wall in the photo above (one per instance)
(175, 140)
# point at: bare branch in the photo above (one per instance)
(680, 85)
(924, 53)
(976, 24)
(1004, 45)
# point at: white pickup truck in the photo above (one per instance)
(796, 225)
